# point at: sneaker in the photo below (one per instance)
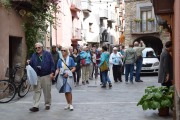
(71, 108)
(83, 83)
(67, 107)
(110, 85)
(74, 84)
(131, 82)
(126, 82)
(120, 80)
(87, 82)
(101, 83)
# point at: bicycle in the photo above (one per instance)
(8, 89)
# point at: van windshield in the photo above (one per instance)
(149, 54)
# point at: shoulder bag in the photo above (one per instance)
(104, 66)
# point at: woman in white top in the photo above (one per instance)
(116, 62)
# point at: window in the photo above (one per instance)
(90, 27)
(145, 15)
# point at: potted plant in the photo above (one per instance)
(160, 98)
(138, 20)
(122, 38)
(150, 19)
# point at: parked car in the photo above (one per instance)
(150, 61)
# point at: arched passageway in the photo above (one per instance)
(153, 42)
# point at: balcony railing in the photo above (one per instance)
(118, 23)
(75, 5)
(120, 14)
(143, 27)
(76, 34)
(103, 14)
(111, 17)
(86, 6)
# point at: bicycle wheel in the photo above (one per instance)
(23, 88)
(7, 91)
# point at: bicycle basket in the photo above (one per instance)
(9, 72)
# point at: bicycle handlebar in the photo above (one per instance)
(18, 67)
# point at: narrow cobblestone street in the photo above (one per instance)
(90, 103)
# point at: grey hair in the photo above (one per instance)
(70, 47)
(39, 44)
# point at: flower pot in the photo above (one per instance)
(163, 112)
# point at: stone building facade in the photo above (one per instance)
(144, 30)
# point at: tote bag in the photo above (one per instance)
(104, 66)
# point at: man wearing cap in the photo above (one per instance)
(139, 49)
(165, 75)
(55, 55)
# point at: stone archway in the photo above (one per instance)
(153, 42)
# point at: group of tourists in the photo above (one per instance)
(65, 66)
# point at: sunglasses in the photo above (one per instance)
(37, 47)
(63, 50)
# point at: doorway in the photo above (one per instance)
(15, 51)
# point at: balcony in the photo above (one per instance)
(103, 14)
(76, 34)
(75, 5)
(143, 27)
(111, 17)
(118, 23)
(86, 7)
(120, 14)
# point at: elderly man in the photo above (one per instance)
(139, 49)
(165, 75)
(70, 51)
(43, 64)
(130, 58)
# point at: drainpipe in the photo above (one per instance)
(50, 36)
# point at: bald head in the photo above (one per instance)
(136, 44)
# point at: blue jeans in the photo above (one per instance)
(129, 69)
(138, 68)
(105, 77)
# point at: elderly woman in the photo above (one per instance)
(84, 55)
(116, 62)
(65, 82)
(105, 57)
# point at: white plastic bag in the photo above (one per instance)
(31, 75)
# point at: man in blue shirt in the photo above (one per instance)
(43, 64)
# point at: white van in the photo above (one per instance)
(150, 61)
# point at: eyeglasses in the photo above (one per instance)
(37, 47)
(63, 50)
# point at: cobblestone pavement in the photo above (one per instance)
(90, 103)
